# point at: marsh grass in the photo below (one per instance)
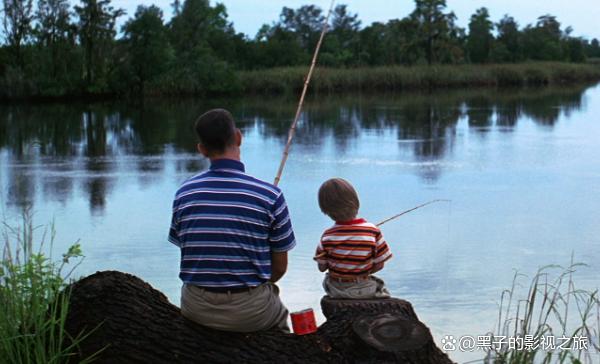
(396, 78)
(553, 306)
(34, 297)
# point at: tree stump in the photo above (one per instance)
(131, 322)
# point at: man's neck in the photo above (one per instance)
(228, 154)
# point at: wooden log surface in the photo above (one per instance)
(135, 323)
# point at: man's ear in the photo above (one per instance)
(238, 137)
(202, 149)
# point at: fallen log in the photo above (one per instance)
(131, 322)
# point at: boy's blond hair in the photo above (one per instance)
(338, 199)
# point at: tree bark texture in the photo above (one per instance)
(131, 322)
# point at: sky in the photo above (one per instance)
(249, 15)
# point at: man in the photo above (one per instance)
(234, 232)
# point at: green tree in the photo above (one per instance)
(96, 32)
(508, 43)
(437, 30)
(18, 16)
(543, 41)
(373, 50)
(147, 45)
(277, 47)
(403, 40)
(479, 41)
(575, 49)
(306, 22)
(593, 49)
(176, 6)
(56, 56)
(342, 43)
(197, 35)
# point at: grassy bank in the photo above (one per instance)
(289, 80)
(553, 321)
(417, 77)
(34, 299)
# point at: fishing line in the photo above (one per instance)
(286, 151)
(410, 210)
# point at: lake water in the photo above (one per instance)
(521, 168)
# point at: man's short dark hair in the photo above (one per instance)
(216, 130)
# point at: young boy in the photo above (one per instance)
(352, 249)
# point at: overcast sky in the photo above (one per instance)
(249, 15)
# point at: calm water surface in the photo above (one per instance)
(522, 169)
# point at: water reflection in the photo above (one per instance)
(65, 141)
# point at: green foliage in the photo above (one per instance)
(543, 41)
(552, 306)
(56, 53)
(147, 46)
(508, 45)
(96, 32)
(55, 50)
(34, 300)
(16, 20)
(342, 42)
(479, 41)
(305, 23)
(437, 32)
(394, 43)
(200, 36)
(276, 47)
(575, 50)
(592, 49)
(384, 78)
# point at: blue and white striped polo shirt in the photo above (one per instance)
(227, 223)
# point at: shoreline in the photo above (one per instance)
(289, 81)
(421, 78)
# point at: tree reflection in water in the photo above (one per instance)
(61, 146)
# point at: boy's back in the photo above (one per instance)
(351, 249)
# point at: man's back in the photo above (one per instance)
(234, 232)
(227, 223)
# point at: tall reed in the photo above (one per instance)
(553, 307)
(34, 298)
(420, 77)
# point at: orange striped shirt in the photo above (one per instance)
(350, 249)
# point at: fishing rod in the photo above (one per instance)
(413, 209)
(286, 151)
(398, 215)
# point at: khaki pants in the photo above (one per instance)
(373, 287)
(254, 310)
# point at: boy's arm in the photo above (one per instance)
(321, 258)
(376, 267)
(381, 254)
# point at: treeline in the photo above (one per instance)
(53, 49)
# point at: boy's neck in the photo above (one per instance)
(355, 220)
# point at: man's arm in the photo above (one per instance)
(279, 262)
(281, 238)
(174, 229)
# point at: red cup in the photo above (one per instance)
(303, 322)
